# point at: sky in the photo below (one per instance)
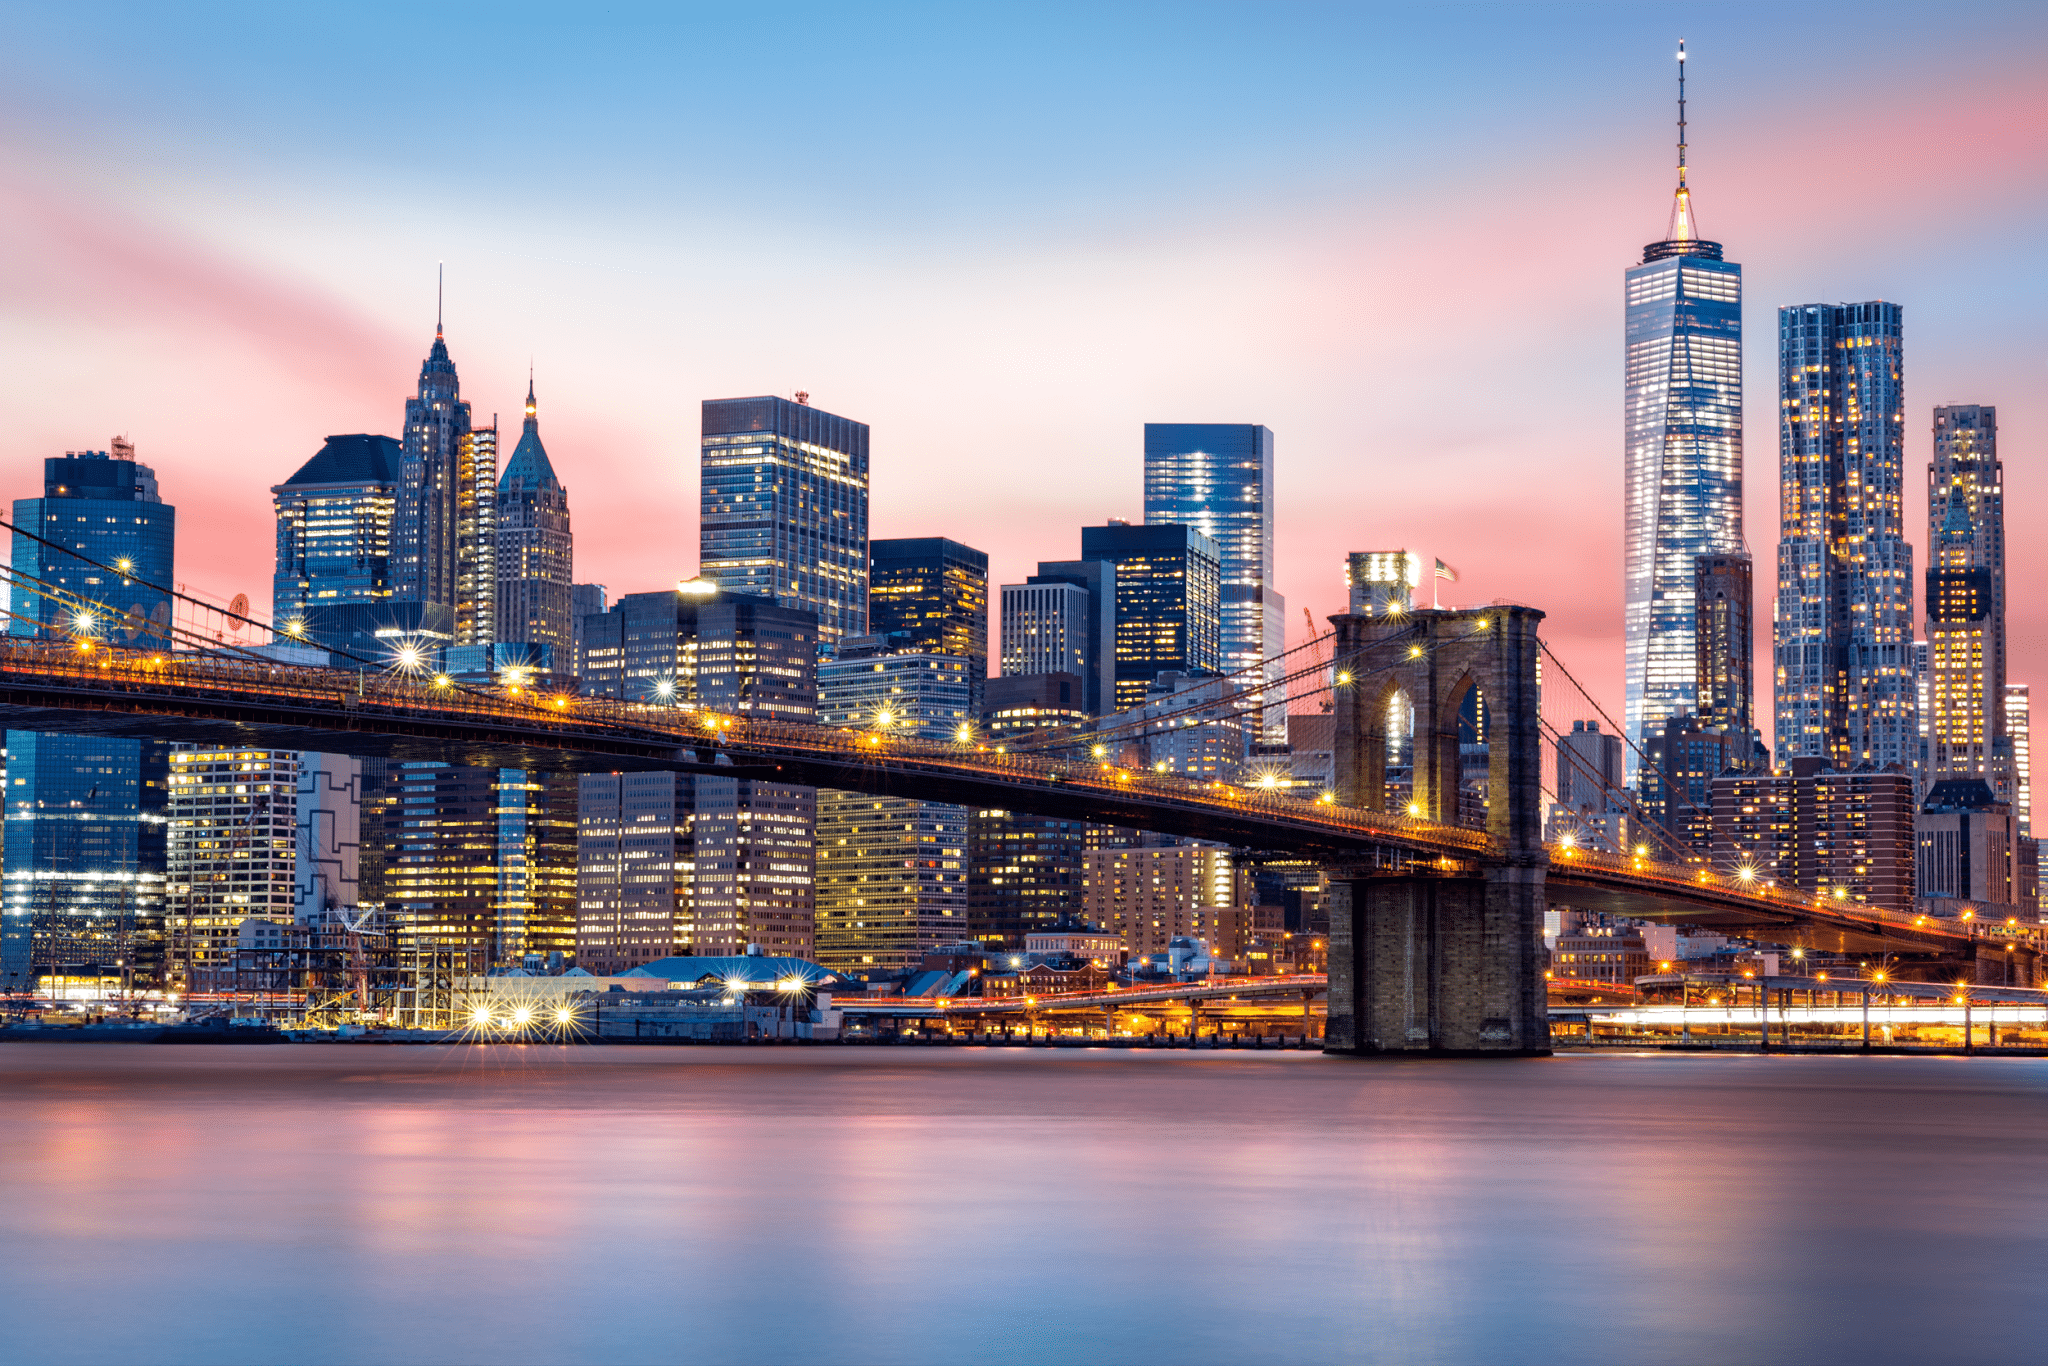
(1006, 237)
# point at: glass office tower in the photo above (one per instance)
(784, 509)
(1168, 595)
(1682, 483)
(84, 855)
(1217, 477)
(1966, 727)
(931, 594)
(334, 527)
(1846, 689)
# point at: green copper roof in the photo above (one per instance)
(529, 460)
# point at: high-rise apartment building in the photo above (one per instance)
(476, 537)
(1168, 597)
(1217, 477)
(1150, 896)
(635, 870)
(334, 528)
(233, 820)
(535, 553)
(1724, 595)
(1682, 482)
(1063, 620)
(1969, 847)
(1966, 736)
(1847, 837)
(2019, 725)
(1589, 768)
(328, 840)
(84, 848)
(892, 871)
(784, 509)
(585, 600)
(1845, 685)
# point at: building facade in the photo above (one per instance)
(929, 594)
(891, 871)
(1845, 686)
(334, 529)
(784, 509)
(1724, 597)
(1682, 477)
(1149, 896)
(1845, 836)
(476, 536)
(535, 559)
(1969, 845)
(1966, 732)
(85, 849)
(233, 821)
(431, 485)
(635, 870)
(1217, 477)
(2019, 725)
(1168, 603)
(1063, 620)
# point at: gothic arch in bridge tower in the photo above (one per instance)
(1440, 958)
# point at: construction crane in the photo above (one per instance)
(1321, 658)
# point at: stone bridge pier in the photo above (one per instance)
(1431, 958)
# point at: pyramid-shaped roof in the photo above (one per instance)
(358, 458)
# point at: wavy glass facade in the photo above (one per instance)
(1683, 476)
(1845, 685)
(1217, 477)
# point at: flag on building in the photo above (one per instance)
(1444, 571)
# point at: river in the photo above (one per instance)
(541, 1204)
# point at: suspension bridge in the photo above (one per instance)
(1436, 920)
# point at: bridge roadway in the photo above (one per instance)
(88, 688)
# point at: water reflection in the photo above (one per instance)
(516, 1204)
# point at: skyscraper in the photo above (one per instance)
(85, 814)
(1217, 477)
(535, 555)
(1845, 685)
(1168, 592)
(1683, 478)
(233, 814)
(432, 484)
(1725, 596)
(2019, 727)
(334, 527)
(476, 537)
(635, 870)
(784, 508)
(585, 600)
(1966, 730)
(1063, 620)
(749, 840)
(929, 594)
(892, 871)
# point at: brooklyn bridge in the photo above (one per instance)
(1436, 924)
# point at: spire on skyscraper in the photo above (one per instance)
(529, 461)
(1682, 226)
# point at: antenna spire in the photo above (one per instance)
(441, 276)
(1682, 224)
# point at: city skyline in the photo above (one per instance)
(341, 326)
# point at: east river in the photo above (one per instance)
(538, 1204)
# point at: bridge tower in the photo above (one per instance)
(1441, 958)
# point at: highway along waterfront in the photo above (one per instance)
(530, 1203)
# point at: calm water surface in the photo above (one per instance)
(508, 1204)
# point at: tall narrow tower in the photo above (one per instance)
(431, 489)
(1966, 731)
(535, 550)
(1683, 433)
(1846, 690)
